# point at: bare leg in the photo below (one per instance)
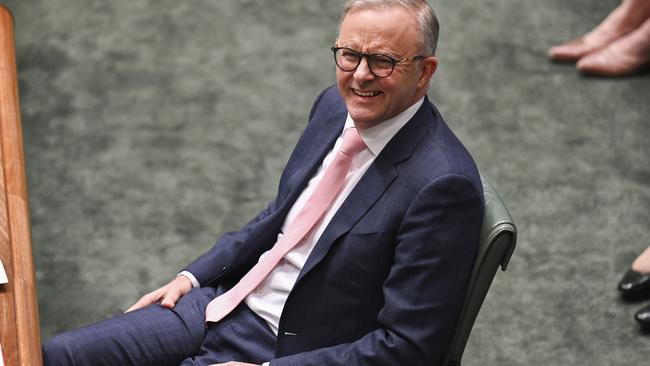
(642, 262)
(624, 19)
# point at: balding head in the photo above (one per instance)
(427, 20)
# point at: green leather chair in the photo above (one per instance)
(497, 242)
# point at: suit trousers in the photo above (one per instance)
(155, 335)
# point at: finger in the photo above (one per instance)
(170, 297)
(144, 301)
(135, 306)
(139, 304)
(169, 301)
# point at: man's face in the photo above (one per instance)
(393, 32)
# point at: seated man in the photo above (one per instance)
(364, 255)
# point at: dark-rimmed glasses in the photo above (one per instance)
(380, 65)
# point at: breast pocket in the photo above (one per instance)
(361, 240)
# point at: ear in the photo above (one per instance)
(429, 67)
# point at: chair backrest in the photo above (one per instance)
(497, 242)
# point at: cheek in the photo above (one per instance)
(342, 77)
(388, 87)
(396, 89)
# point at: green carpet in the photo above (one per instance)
(153, 126)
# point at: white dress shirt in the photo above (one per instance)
(269, 298)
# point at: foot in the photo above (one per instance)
(635, 286)
(643, 317)
(623, 20)
(625, 56)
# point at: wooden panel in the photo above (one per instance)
(19, 327)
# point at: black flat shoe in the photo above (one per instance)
(643, 317)
(635, 285)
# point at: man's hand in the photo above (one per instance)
(234, 363)
(166, 295)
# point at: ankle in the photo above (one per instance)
(640, 8)
(642, 262)
(633, 13)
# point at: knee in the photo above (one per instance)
(59, 351)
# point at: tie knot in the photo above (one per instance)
(352, 142)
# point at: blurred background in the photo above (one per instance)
(151, 127)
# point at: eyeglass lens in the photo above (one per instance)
(349, 60)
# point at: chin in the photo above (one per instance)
(360, 116)
(362, 113)
(364, 121)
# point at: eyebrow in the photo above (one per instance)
(386, 52)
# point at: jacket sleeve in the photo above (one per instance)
(216, 262)
(435, 250)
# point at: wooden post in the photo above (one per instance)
(19, 327)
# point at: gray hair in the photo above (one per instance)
(426, 18)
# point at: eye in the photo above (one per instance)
(348, 55)
(382, 62)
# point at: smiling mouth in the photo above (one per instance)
(366, 94)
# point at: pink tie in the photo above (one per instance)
(322, 197)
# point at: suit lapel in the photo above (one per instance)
(320, 142)
(372, 185)
(317, 140)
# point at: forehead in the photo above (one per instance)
(379, 29)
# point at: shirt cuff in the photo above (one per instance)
(266, 364)
(195, 283)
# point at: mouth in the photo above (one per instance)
(366, 94)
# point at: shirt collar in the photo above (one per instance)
(378, 136)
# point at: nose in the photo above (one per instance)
(362, 73)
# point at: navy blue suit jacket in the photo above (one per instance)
(385, 283)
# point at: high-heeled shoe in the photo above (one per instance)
(643, 317)
(635, 285)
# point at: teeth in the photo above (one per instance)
(366, 94)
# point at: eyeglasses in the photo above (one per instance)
(380, 65)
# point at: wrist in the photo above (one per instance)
(194, 283)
